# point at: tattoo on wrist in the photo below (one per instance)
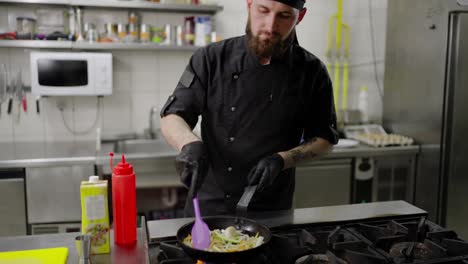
(300, 154)
(297, 155)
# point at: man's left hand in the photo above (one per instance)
(266, 171)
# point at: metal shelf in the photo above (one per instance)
(129, 46)
(40, 44)
(48, 2)
(50, 44)
(145, 5)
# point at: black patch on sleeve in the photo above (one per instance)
(187, 78)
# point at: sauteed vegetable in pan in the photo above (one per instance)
(233, 240)
(230, 240)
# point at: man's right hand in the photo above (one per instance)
(192, 166)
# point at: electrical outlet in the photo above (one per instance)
(61, 104)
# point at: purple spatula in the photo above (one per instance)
(201, 238)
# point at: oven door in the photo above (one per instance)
(12, 203)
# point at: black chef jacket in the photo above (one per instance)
(250, 111)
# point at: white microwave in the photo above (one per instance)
(71, 73)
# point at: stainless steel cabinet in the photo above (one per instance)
(385, 178)
(12, 204)
(323, 183)
(53, 193)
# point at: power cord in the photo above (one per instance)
(86, 131)
(376, 75)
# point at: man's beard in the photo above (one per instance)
(272, 47)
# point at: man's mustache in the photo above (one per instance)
(270, 34)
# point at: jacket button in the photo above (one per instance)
(232, 139)
(233, 109)
(235, 77)
(227, 196)
(229, 169)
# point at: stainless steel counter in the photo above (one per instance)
(330, 214)
(167, 228)
(368, 151)
(37, 154)
(137, 254)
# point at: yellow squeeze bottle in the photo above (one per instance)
(95, 214)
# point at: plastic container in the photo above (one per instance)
(168, 35)
(189, 30)
(124, 203)
(71, 23)
(79, 25)
(364, 104)
(203, 28)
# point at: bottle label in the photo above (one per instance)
(95, 207)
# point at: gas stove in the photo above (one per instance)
(400, 241)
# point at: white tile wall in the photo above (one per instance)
(143, 79)
(30, 125)
(55, 120)
(86, 112)
(6, 122)
(117, 113)
(4, 19)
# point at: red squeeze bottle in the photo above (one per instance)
(124, 203)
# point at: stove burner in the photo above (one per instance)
(320, 259)
(417, 250)
(410, 250)
(336, 245)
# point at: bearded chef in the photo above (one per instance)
(266, 104)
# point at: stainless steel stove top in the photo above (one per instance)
(402, 240)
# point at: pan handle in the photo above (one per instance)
(244, 201)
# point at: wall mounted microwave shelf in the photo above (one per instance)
(45, 44)
(145, 5)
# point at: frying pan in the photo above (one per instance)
(247, 226)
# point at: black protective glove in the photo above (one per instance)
(192, 166)
(266, 171)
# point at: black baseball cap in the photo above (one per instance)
(298, 4)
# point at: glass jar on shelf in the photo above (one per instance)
(122, 31)
(133, 18)
(25, 27)
(133, 33)
(110, 33)
(145, 33)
